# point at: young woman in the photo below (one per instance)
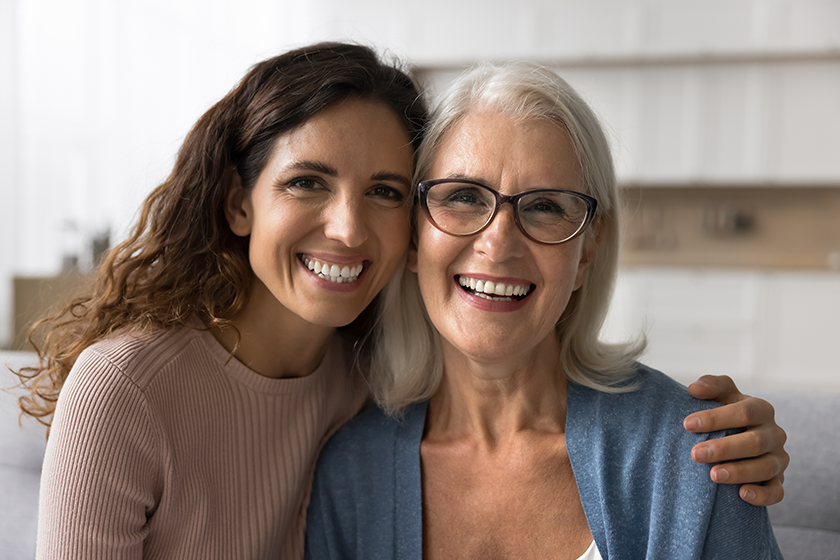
(190, 391)
(206, 370)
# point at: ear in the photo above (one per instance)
(411, 258)
(587, 254)
(238, 207)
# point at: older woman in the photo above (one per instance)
(507, 428)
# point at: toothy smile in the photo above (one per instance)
(341, 274)
(494, 291)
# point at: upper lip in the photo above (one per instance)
(503, 279)
(495, 284)
(336, 259)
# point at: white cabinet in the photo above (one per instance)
(716, 92)
(764, 329)
(803, 345)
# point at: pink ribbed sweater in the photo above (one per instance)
(164, 447)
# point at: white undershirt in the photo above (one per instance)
(591, 553)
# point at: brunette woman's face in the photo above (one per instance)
(328, 217)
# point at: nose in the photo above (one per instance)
(346, 221)
(501, 239)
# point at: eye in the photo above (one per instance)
(466, 196)
(387, 195)
(545, 206)
(312, 189)
(304, 184)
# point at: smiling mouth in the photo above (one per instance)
(494, 291)
(341, 274)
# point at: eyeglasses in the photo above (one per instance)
(548, 216)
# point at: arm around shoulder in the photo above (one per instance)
(739, 530)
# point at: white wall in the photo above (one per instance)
(767, 330)
(96, 95)
(9, 187)
(95, 98)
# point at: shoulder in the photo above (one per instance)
(363, 457)
(371, 433)
(631, 448)
(366, 494)
(113, 376)
(139, 357)
(653, 402)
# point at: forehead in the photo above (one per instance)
(508, 152)
(354, 132)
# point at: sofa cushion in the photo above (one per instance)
(807, 521)
(22, 446)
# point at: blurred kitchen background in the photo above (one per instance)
(724, 116)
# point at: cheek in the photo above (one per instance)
(428, 247)
(394, 231)
(436, 252)
(393, 234)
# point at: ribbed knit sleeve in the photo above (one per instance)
(102, 471)
(166, 447)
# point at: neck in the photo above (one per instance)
(491, 402)
(271, 340)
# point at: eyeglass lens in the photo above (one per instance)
(463, 208)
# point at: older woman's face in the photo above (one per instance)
(510, 157)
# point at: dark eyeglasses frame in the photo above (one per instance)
(423, 193)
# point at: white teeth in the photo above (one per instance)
(333, 272)
(488, 287)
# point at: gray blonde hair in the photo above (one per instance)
(407, 361)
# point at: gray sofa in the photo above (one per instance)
(807, 522)
(21, 451)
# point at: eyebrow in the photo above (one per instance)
(395, 177)
(321, 167)
(312, 165)
(465, 177)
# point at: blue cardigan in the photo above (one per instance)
(642, 494)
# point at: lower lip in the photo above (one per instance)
(487, 304)
(342, 287)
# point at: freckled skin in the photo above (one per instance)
(336, 189)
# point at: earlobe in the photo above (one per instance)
(587, 254)
(238, 207)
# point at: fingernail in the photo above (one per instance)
(702, 454)
(748, 494)
(692, 424)
(721, 475)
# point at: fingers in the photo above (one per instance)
(772, 492)
(755, 444)
(752, 471)
(718, 387)
(749, 458)
(749, 411)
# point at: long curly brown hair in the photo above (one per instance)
(182, 260)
